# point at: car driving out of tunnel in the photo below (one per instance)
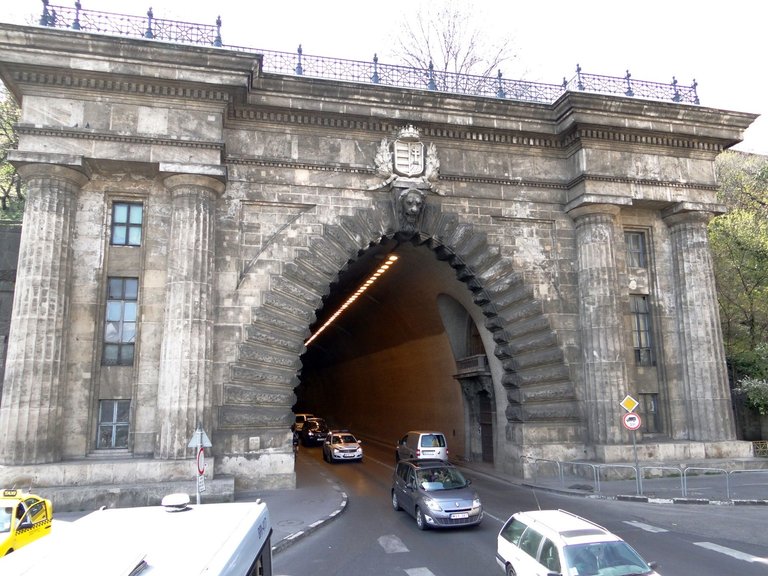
(313, 432)
(341, 445)
(436, 494)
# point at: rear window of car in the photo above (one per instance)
(432, 441)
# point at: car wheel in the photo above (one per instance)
(395, 502)
(509, 571)
(421, 522)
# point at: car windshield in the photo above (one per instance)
(5, 519)
(344, 439)
(440, 479)
(604, 559)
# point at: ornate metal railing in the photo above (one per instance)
(302, 64)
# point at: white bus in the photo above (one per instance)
(175, 539)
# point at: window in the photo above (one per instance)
(513, 530)
(120, 321)
(113, 423)
(636, 255)
(650, 411)
(126, 224)
(641, 329)
(530, 541)
(549, 556)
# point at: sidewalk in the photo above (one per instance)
(298, 512)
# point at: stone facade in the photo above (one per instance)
(259, 193)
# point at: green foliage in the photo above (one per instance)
(756, 392)
(739, 243)
(11, 191)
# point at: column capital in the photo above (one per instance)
(691, 212)
(590, 209)
(42, 164)
(209, 176)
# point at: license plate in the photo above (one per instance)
(459, 515)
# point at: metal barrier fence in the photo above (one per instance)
(372, 72)
(654, 481)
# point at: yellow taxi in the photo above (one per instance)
(24, 517)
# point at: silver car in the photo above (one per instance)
(436, 494)
(341, 445)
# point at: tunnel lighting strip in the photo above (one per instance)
(359, 292)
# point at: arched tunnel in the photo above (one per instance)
(410, 352)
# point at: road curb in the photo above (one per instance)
(296, 536)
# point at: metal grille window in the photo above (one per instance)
(126, 224)
(120, 321)
(114, 422)
(641, 329)
(636, 255)
(651, 416)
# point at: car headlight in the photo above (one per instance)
(432, 504)
(476, 503)
(336, 450)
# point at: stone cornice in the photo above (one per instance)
(88, 134)
(91, 81)
(475, 135)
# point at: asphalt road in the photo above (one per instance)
(370, 538)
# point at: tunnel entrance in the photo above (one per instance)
(407, 354)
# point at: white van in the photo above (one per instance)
(421, 444)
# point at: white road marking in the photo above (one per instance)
(646, 527)
(419, 572)
(392, 544)
(732, 553)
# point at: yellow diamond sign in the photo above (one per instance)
(629, 403)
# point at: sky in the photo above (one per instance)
(720, 45)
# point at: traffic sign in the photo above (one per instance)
(201, 461)
(629, 403)
(631, 421)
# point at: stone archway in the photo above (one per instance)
(260, 393)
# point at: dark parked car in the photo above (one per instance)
(435, 493)
(313, 432)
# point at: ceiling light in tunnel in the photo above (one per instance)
(363, 287)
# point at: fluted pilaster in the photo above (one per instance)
(30, 413)
(706, 394)
(605, 373)
(184, 389)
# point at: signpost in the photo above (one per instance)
(632, 422)
(200, 442)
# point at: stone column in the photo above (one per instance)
(184, 387)
(602, 329)
(705, 395)
(31, 410)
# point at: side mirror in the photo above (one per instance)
(654, 565)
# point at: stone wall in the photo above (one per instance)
(263, 194)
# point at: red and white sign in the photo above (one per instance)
(201, 461)
(631, 421)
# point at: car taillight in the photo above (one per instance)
(418, 453)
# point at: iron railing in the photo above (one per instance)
(356, 71)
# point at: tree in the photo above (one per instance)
(11, 191)
(449, 37)
(739, 242)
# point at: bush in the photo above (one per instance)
(756, 392)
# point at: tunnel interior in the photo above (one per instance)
(406, 354)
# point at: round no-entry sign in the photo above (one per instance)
(631, 421)
(201, 461)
